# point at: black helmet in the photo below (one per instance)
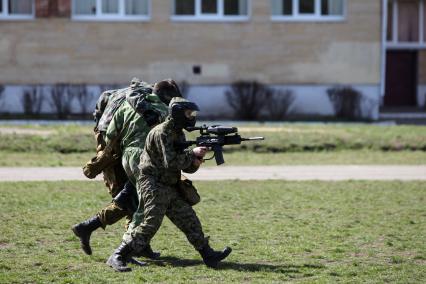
(166, 90)
(183, 112)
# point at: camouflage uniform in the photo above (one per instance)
(115, 176)
(130, 125)
(161, 165)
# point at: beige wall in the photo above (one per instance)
(61, 50)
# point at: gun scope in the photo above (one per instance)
(221, 130)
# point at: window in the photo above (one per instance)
(17, 9)
(121, 10)
(408, 21)
(233, 10)
(406, 24)
(424, 21)
(308, 9)
(331, 7)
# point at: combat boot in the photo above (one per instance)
(149, 253)
(84, 230)
(118, 260)
(211, 257)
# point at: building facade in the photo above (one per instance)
(306, 46)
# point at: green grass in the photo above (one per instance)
(286, 144)
(280, 231)
(346, 157)
(280, 138)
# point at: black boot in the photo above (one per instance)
(149, 253)
(211, 257)
(84, 230)
(118, 260)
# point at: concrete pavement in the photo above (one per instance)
(326, 173)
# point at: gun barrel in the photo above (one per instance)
(253, 138)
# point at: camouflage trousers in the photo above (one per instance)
(114, 178)
(161, 200)
(112, 213)
(130, 161)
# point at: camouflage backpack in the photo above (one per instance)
(109, 101)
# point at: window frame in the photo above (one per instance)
(4, 15)
(105, 17)
(218, 17)
(314, 17)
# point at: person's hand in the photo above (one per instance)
(200, 152)
(197, 162)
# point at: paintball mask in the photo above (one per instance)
(183, 112)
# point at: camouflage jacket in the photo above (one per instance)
(128, 123)
(161, 158)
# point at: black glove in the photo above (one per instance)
(151, 117)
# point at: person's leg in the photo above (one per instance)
(185, 218)
(136, 239)
(115, 180)
(130, 162)
(107, 216)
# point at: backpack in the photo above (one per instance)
(108, 155)
(109, 101)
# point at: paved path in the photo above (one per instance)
(332, 173)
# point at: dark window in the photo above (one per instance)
(1, 6)
(209, 6)
(232, 7)
(306, 6)
(185, 7)
(332, 7)
(287, 7)
(196, 69)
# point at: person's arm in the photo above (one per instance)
(172, 159)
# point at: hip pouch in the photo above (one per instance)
(187, 191)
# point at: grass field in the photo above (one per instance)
(247, 158)
(306, 232)
(286, 144)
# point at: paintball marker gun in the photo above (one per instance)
(215, 137)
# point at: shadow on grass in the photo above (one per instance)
(248, 267)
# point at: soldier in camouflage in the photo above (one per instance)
(129, 115)
(161, 164)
